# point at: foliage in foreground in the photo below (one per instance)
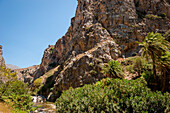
(113, 96)
(14, 92)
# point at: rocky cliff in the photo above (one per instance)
(100, 31)
(2, 61)
(26, 74)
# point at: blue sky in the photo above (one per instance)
(27, 27)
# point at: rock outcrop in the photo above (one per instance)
(100, 31)
(26, 74)
(12, 67)
(2, 61)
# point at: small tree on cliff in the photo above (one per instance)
(113, 69)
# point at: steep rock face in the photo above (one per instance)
(100, 31)
(2, 61)
(157, 7)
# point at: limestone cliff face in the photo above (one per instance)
(100, 31)
(2, 61)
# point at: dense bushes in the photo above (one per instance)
(111, 96)
(14, 92)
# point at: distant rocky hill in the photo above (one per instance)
(100, 31)
(12, 67)
(26, 74)
(2, 61)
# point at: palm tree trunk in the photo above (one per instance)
(154, 66)
(163, 81)
(154, 71)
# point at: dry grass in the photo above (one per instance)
(4, 108)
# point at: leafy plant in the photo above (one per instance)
(14, 92)
(153, 46)
(113, 96)
(167, 35)
(113, 69)
(51, 49)
(151, 16)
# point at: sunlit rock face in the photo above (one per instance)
(2, 61)
(26, 75)
(100, 31)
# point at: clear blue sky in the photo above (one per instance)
(27, 27)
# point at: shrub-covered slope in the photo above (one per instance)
(114, 96)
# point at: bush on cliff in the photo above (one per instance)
(114, 96)
(113, 69)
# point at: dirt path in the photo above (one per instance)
(4, 108)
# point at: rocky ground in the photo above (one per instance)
(45, 108)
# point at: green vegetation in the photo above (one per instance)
(35, 87)
(151, 16)
(163, 15)
(127, 96)
(13, 92)
(113, 96)
(137, 65)
(167, 35)
(51, 49)
(91, 64)
(113, 69)
(156, 48)
(93, 72)
(37, 83)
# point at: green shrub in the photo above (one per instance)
(93, 72)
(37, 83)
(91, 64)
(163, 15)
(113, 96)
(113, 69)
(151, 16)
(51, 49)
(167, 35)
(148, 75)
(14, 92)
(138, 65)
(130, 68)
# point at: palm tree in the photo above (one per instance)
(114, 69)
(154, 46)
(164, 67)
